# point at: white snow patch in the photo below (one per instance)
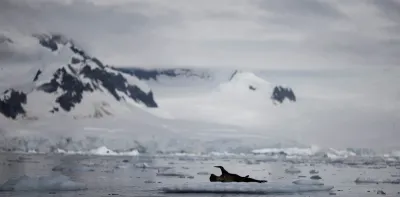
(132, 80)
(105, 151)
(222, 104)
(337, 154)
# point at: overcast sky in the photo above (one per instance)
(233, 33)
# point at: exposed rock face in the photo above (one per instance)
(148, 74)
(11, 103)
(281, 93)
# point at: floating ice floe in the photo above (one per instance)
(43, 183)
(147, 166)
(170, 173)
(203, 173)
(307, 182)
(72, 168)
(244, 188)
(315, 177)
(313, 171)
(376, 181)
(293, 170)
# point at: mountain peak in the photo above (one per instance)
(242, 81)
(52, 41)
(5, 39)
(67, 85)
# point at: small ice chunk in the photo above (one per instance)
(376, 181)
(251, 162)
(244, 188)
(307, 182)
(173, 174)
(147, 166)
(315, 177)
(203, 173)
(142, 165)
(105, 151)
(43, 183)
(313, 172)
(293, 170)
(66, 168)
(381, 192)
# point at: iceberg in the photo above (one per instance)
(42, 183)
(102, 151)
(244, 188)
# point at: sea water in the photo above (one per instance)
(147, 175)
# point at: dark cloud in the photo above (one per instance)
(389, 8)
(301, 8)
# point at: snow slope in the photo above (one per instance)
(240, 100)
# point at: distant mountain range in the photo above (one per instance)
(88, 87)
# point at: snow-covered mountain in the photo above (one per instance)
(239, 80)
(249, 81)
(82, 86)
(48, 77)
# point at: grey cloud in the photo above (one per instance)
(301, 8)
(319, 23)
(299, 15)
(133, 33)
(389, 8)
(90, 25)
